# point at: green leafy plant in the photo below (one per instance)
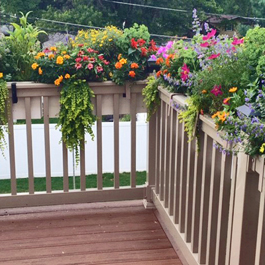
(76, 114)
(151, 96)
(17, 50)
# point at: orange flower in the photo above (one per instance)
(66, 56)
(168, 75)
(158, 74)
(41, 54)
(64, 52)
(118, 65)
(204, 91)
(1, 75)
(233, 89)
(159, 61)
(165, 71)
(59, 60)
(34, 66)
(53, 49)
(132, 74)
(134, 66)
(119, 57)
(51, 56)
(123, 61)
(37, 57)
(216, 114)
(168, 62)
(40, 71)
(67, 76)
(60, 78)
(57, 82)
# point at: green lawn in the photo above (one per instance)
(57, 182)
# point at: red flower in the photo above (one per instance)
(133, 43)
(226, 101)
(85, 58)
(78, 66)
(205, 44)
(80, 53)
(78, 60)
(141, 42)
(209, 35)
(152, 47)
(237, 41)
(214, 56)
(92, 60)
(101, 57)
(217, 90)
(202, 113)
(80, 45)
(185, 72)
(132, 74)
(90, 50)
(143, 52)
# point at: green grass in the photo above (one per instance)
(57, 182)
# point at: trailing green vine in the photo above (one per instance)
(151, 96)
(3, 116)
(76, 114)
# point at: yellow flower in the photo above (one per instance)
(67, 76)
(64, 52)
(123, 61)
(37, 57)
(233, 89)
(51, 56)
(100, 45)
(34, 66)
(40, 71)
(110, 74)
(262, 148)
(53, 49)
(59, 60)
(110, 40)
(1, 75)
(66, 56)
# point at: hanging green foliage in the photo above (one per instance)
(3, 116)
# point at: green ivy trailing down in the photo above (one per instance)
(76, 114)
(3, 116)
(151, 96)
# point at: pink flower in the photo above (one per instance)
(217, 90)
(90, 50)
(205, 44)
(213, 42)
(101, 57)
(209, 35)
(237, 41)
(46, 50)
(99, 69)
(78, 66)
(106, 62)
(80, 53)
(90, 66)
(214, 56)
(78, 60)
(80, 45)
(185, 72)
(85, 58)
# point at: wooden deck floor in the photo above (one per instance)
(84, 234)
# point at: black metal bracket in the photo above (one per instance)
(14, 93)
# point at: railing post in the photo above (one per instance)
(151, 156)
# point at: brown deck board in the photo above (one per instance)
(127, 235)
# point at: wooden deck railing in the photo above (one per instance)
(42, 100)
(213, 203)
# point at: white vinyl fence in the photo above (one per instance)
(91, 157)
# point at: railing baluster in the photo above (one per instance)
(189, 190)
(157, 164)
(99, 142)
(82, 166)
(223, 209)
(231, 209)
(177, 172)
(133, 140)
(260, 246)
(12, 150)
(65, 168)
(213, 206)
(197, 195)
(183, 179)
(172, 160)
(47, 144)
(162, 150)
(204, 209)
(116, 141)
(29, 145)
(167, 154)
